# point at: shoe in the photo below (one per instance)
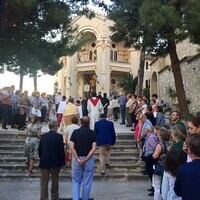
(107, 165)
(150, 189)
(21, 129)
(151, 194)
(128, 125)
(122, 123)
(4, 128)
(30, 173)
(132, 129)
(103, 173)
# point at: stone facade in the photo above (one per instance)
(190, 69)
(99, 64)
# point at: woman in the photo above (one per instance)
(160, 154)
(31, 143)
(128, 107)
(193, 128)
(174, 159)
(178, 134)
(194, 125)
(23, 109)
(160, 117)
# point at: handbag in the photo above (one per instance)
(68, 155)
(159, 168)
(36, 112)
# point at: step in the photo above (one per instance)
(124, 159)
(20, 146)
(119, 165)
(126, 176)
(20, 153)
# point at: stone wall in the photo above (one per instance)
(190, 69)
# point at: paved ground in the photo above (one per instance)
(100, 190)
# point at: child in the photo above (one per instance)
(175, 157)
(187, 184)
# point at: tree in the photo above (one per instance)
(165, 20)
(128, 28)
(160, 24)
(128, 83)
(28, 35)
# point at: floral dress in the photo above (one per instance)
(32, 141)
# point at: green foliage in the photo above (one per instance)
(146, 92)
(171, 92)
(128, 83)
(29, 36)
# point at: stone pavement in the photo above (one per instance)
(27, 190)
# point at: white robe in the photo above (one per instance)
(94, 111)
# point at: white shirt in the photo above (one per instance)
(69, 130)
(168, 187)
(61, 107)
(58, 98)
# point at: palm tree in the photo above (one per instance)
(128, 83)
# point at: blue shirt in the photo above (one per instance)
(122, 100)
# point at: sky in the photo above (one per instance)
(45, 82)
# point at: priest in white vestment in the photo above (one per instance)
(94, 107)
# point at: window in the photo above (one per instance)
(115, 56)
(147, 66)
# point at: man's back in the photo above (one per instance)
(51, 150)
(83, 139)
(105, 132)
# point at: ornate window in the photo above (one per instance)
(93, 51)
(113, 52)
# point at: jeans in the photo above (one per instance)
(82, 175)
(44, 180)
(123, 113)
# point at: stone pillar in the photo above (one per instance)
(103, 68)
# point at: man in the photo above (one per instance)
(58, 98)
(70, 129)
(94, 107)
(83, 146)
(122, 103)
(105, 139)
(187, 184)
(175, 117)
(70, 111)
(105, 102)
(52, 158)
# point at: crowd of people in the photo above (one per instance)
(170, 151)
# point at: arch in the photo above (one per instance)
(89, 29)
(154, 80)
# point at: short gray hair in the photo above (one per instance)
(52, 124)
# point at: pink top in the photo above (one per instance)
(137, 130)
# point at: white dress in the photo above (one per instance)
(168, 187)
(94, 107)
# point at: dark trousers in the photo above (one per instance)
(149, 162)
(123, 113)
(5, 114)
(22, 121)
(115, 112)
(128, 117)
(44, 180)
(43, 112)
(15, 120)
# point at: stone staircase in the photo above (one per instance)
(123, 165)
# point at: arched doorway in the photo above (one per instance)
(154, 80)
